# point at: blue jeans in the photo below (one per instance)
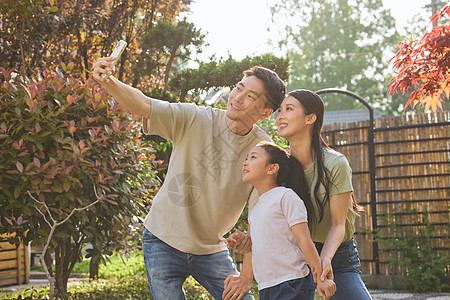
(297, 289)
(167, 269)
(347, 273)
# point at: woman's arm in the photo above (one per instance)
(339, 204)
(130, 98)
(301, 233)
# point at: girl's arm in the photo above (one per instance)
(325, 288)
(239, 242)
(339, 204)
(303, 238)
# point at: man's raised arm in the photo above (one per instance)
(130, 98)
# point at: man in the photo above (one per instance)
(203, 194)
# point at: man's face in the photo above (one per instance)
(246, 102)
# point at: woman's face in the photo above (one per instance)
(291, 118)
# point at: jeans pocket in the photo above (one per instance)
(296, 286)
(291, 287)
(346, 259)
(148, 237)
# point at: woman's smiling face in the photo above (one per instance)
(291, 118)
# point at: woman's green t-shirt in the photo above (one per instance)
(341, 178)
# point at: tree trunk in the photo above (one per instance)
(66, 255)
(93, 266)
(61, 285)
(169, 66)
(182, 97)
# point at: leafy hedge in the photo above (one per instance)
(60, 138)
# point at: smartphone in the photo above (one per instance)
(118, 50)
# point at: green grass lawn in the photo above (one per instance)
(121, 278)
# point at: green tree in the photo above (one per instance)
(40, 35)
(338, 44)
(25, 26)
(162, 45)
(222, 73)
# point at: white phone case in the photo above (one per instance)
(118, 50)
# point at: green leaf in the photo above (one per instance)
(53, 9)
(17, 191)
(57, 188)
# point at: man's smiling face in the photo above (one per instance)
(247, 101)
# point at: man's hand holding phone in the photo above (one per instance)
(104, 67)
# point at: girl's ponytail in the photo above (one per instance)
(297, 182)
(291, 175)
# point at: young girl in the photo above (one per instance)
(328, 177)
(278, 226)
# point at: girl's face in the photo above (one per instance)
(255, 165)
(291, 118)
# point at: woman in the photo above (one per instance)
(328, 176)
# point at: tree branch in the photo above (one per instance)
(53, 226)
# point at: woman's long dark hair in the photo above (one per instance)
(312, 103)
(291, 175)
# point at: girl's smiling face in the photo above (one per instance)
(255, 166)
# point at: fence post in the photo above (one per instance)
(371, 146)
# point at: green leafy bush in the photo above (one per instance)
(60, 138)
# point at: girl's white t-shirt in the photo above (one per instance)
(276, 256)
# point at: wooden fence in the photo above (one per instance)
(412, 172)
(14, 263)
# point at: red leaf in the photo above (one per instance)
(45, 166)
(85, 149)
(70, 99)
(9, 221)
(37, 162)
(19, 167)
(115, 124)
(21, 221)
(111, 201)
(92, 134)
